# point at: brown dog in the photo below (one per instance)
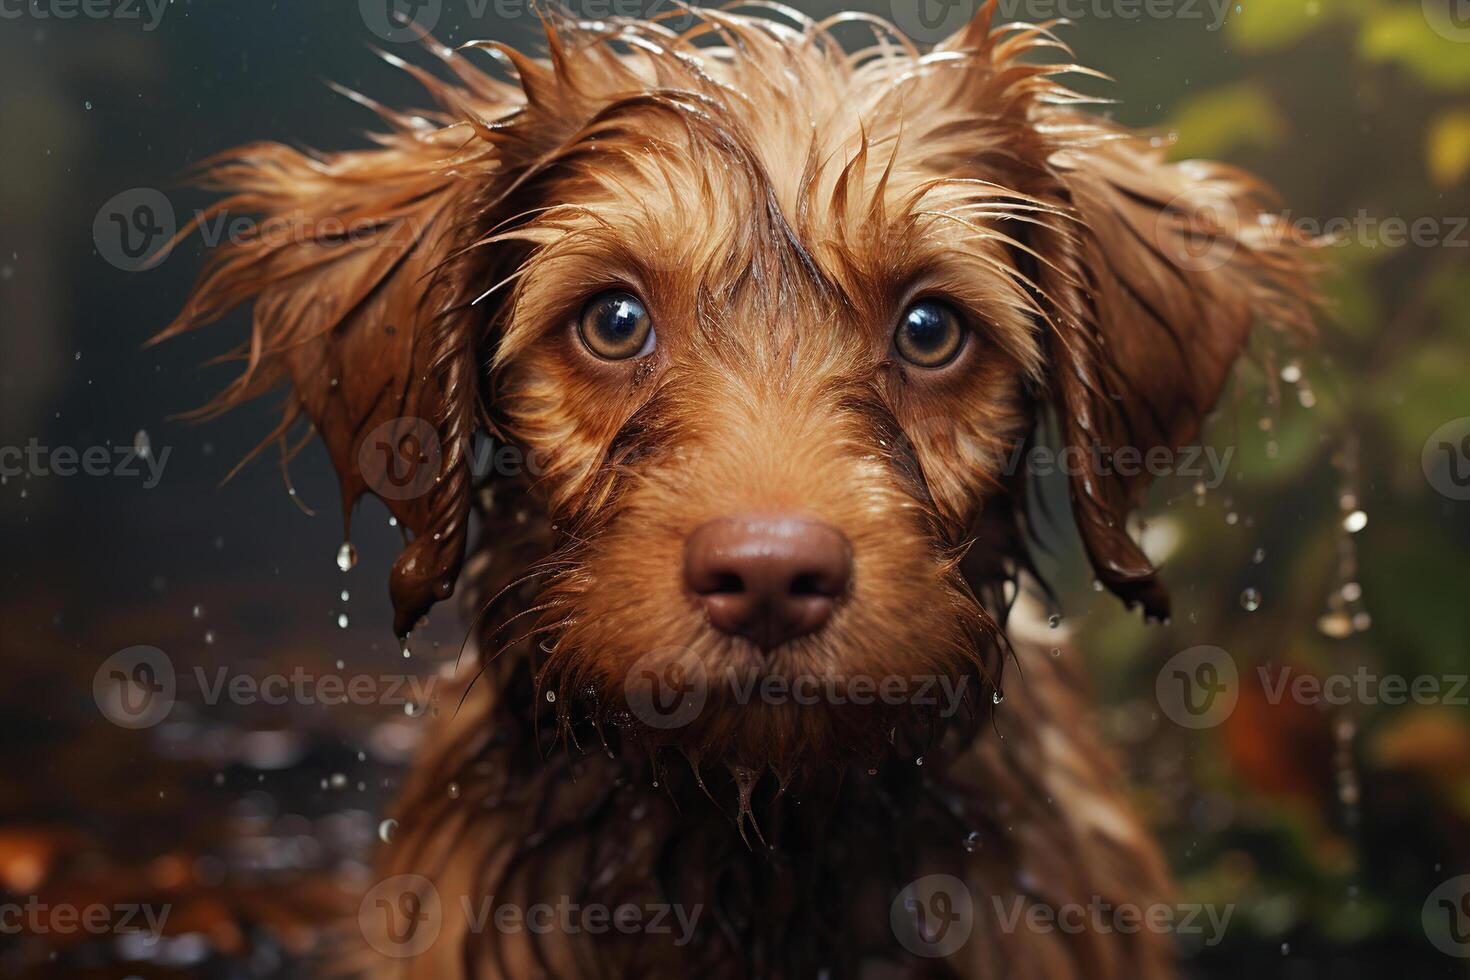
(768, 321)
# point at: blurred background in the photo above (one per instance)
(1336, 546)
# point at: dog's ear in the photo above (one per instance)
(364, 269)
(1154, 295)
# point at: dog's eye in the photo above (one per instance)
(929, 334)
(616, 326)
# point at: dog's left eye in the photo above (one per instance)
(930, 334)
(616, 326)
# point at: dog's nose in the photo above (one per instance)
(768, 579)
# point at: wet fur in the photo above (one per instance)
(776, 199)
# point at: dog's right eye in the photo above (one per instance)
(616, 326)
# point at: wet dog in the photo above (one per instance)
(766, 324)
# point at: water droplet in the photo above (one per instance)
(1352, 591)
(410, 709)
(88, 104)
(1286, 949)
(142, 445)
(997, 697)
(392, 522)
(345, 596)
(1250, 599)
(341, 664)
(1056, 651)
(919, 761)
(453, 791)
(551, 697)
(209, 636)
(1232, 518)
(1054, 620)
(972, 841)
(1259, 556)
(346, 556)
(339, 780)
(385, 830)
(1355, 522)
(1291, 373)
(342, 621)
(198, 611)
(406, 652)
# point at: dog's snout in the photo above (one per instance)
(768, 579)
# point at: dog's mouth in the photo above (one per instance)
(775, 657)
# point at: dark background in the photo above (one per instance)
(1326, 829)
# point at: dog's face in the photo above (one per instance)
(773, 320)
(769, 410)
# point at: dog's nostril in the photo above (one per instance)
(725, 582)
(768, 579)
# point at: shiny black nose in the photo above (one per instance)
(768, 579)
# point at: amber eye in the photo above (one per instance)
(616, 326)
(929, 334)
